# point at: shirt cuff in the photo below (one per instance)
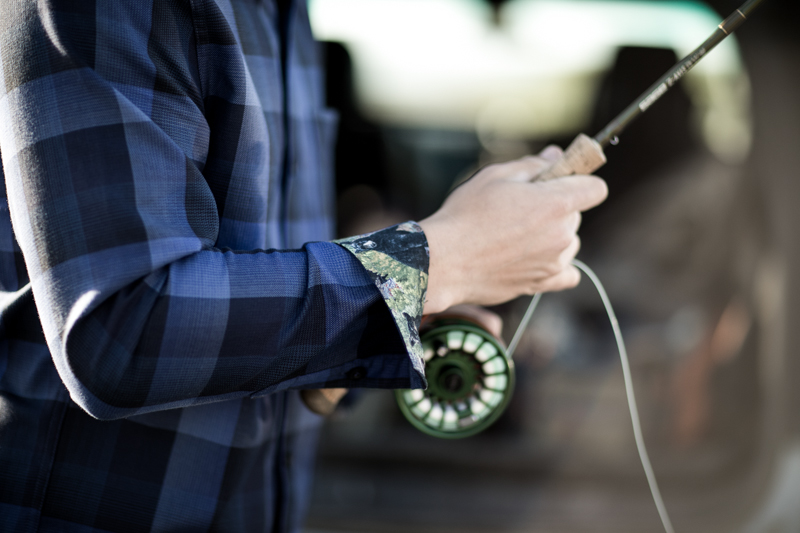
(396, 259)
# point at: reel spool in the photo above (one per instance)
(470, 381)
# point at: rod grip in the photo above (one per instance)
(583, 156)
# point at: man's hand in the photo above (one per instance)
(498, 236)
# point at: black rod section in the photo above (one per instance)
(657, 90)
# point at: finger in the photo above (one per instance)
(488, 320)
(575, 221)
(569, 253)
(494, 325)
(566, 279)
(560, 261)
(528, 167)
(552, 153)
(579, 192)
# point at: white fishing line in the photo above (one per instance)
(524, 324)
(626, 373)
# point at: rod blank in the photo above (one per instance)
(673, 75)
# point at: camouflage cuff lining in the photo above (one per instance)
(396, 259)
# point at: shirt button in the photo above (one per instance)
(357, 373)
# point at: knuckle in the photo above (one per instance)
(534, 165)
(565, 260)
(563, 240)
(559, 205)
(531, 289)
(575, 220)
(552, 269)
(569, 252)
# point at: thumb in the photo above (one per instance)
(552, 153)
(527, 168)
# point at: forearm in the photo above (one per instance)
(218, 325)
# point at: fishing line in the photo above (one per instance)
(584, 156)
(626, 374)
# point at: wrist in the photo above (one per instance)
(445, 288)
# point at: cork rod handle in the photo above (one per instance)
(583, 156)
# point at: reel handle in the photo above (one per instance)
(583, 156)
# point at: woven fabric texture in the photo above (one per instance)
(168, 286)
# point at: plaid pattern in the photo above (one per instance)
(161, 175)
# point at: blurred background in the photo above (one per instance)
(697, 246)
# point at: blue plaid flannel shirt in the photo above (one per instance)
(163, 299)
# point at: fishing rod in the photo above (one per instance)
(470, 373)
(585, 154)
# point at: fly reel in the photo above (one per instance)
(470, 381)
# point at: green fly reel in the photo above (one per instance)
(470, 381)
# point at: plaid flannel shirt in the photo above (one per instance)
(162, 300)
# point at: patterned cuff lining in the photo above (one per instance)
(396, 259)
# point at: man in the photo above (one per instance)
(167, 284)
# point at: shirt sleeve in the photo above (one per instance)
(396, 260)
(106, 135)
